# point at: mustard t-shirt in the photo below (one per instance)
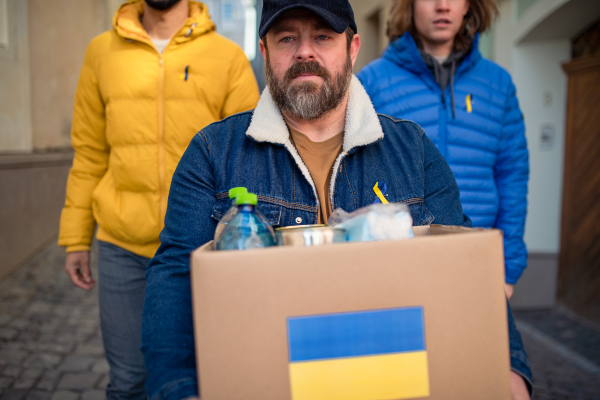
(319, 158)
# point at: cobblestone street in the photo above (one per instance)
(564, 353)
(50, 343)
(51, 348)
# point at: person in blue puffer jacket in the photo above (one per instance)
(433, 74)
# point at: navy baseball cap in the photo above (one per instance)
(337, 14)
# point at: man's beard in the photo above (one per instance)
(161, 5)
(305, 100)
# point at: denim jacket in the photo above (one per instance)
(253, 149)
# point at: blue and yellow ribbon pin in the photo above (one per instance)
(469, 103)
(186, 74)
(380, 193)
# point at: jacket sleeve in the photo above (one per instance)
(167, 329)
(511, 173)
(242, 93)
(519, 361)
(442, 197)
(91, 159)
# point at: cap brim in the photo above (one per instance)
(339, 25)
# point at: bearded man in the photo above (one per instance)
(313, 143)
(145, 89)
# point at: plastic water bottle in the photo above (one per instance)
(249, 229)
(233, 210)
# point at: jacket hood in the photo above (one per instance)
(127, 24)
(362, 126)
(404, 52)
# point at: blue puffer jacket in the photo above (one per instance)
(485, 145)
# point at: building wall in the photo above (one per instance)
(40, 67)
(523, 6)
(58, 37)
(15, 110)
(32, 195)
(371, 18)
(542, 86)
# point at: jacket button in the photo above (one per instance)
(298, 220)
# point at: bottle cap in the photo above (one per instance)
(233, 192)
(246, 198)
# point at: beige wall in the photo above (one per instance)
(15, 111)
(40, 68)
(111, 7)
(371, 17)
(32, 193)
(59, 33)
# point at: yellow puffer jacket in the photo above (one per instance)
(135, 112)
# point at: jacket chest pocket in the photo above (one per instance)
(272, 212)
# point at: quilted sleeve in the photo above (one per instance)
(88, 137)
(242, 93)
(511, 173)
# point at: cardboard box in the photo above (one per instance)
(244, 302)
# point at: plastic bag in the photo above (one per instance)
(375, 222)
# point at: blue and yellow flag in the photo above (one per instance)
(367, 355)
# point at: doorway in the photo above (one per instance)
(579, 270)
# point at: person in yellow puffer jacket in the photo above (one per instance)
(145, 88)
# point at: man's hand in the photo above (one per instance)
(509, 289)
(78, 269)
(518, 387)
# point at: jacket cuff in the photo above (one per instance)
(78, 247)
(513, 275)
(521, 367)
(178, 390)
(528, 382)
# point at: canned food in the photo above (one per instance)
(309, 235)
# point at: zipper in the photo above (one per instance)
(442, 131)
(162, 181)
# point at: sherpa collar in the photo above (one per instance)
(362, 128)
(362, 124)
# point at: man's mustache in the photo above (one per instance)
(309, 67)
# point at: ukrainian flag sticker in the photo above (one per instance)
(367, 355)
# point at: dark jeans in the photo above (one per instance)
(122, 283)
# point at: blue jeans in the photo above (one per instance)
(122, 283)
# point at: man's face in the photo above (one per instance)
(438, 21)
(161, 4)
(309, 66)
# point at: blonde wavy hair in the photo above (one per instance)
(478, 20)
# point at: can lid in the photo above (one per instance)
(246, 198)
(303, 227)
(233, 192)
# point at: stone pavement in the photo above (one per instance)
(51, 348)
(564, 352)
(50, 342)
